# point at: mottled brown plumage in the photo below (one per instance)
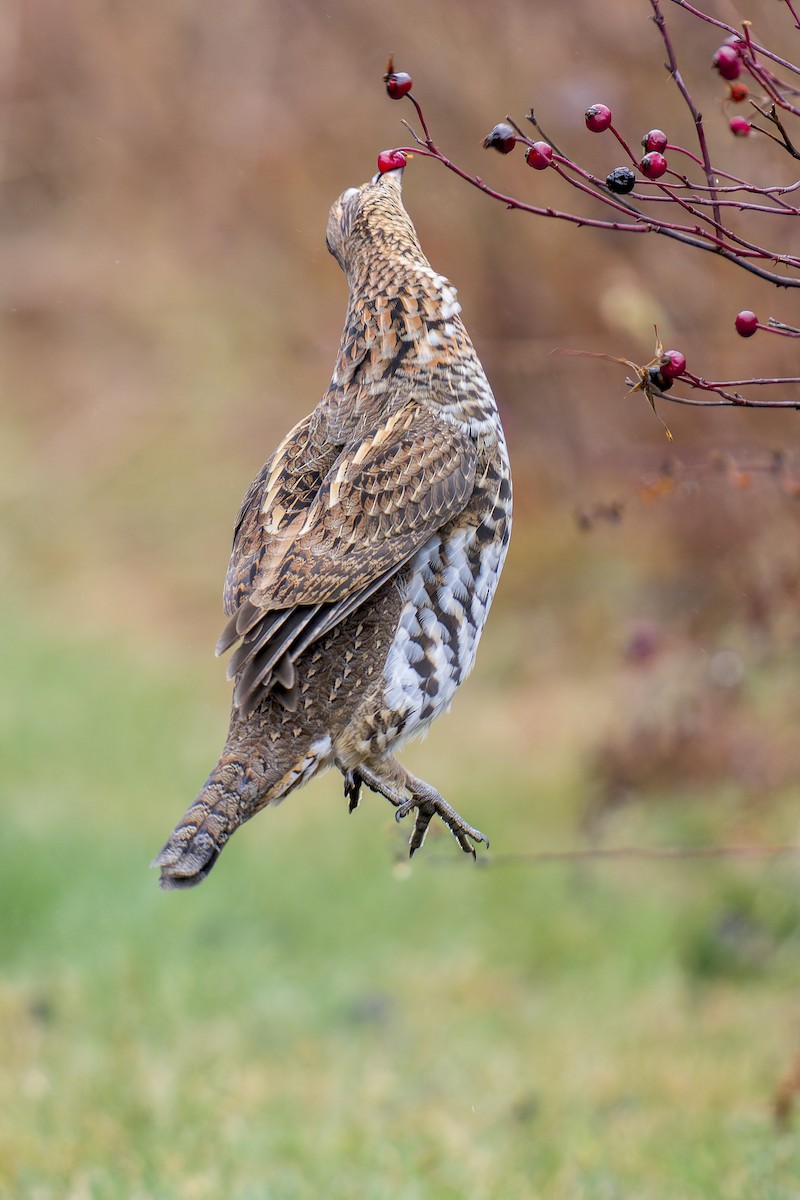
(366, 552)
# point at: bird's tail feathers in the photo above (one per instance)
(230, 795)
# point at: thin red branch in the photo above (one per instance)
(761, 50)
(697, 116)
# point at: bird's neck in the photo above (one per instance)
(401, 314)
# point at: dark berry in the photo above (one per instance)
(621, 180)
(598, 118)
(739, 127)
(539, 155)
(658, 379)
(739, 92)
(672, 364)
(746, 323)
(502, 138)
(726, 60)
(390, 160)
(653, 165)
(656, 140)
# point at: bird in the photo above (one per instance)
(366, 552)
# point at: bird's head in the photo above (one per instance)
(369, 223)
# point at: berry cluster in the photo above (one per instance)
(692, 197)
(729, 59)
(653, 165)
(598, 118)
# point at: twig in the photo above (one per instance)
(629, 854)
(697, 116)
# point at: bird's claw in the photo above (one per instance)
(424, 798)
(352, 789)
(464, 833)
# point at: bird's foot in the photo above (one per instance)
(428, 803)
(352, 789)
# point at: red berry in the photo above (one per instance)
(656, 140)
(598, 118)
(502, 138)
(539, 155)
(398, 84)
(391, 160)
(726, 60)
(746, 323)
(653, 165)
(672, 364)
(739, 92)
(739, 127)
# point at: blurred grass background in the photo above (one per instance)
(320, 1019)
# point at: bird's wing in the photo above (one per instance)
(305, 557)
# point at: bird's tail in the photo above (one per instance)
(232, 793)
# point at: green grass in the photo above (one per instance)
(321, 1020)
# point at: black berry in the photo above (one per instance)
(621, 180)
(658, 379)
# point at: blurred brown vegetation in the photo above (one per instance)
(169, 309)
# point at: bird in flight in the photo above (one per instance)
(366, 552)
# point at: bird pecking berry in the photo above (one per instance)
(727, 62)
(658, 379)
(672, 364)
(656, 140)
(739, 92)
(597, 118)
(391, 160)
(539, 156)
(739, 126)
(502, 138)
(746, 323)
(621, 180)
(653, 165)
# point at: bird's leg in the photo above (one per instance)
(428, 803)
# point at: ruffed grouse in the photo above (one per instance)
(366, 552)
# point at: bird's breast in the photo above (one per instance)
(447, 591)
